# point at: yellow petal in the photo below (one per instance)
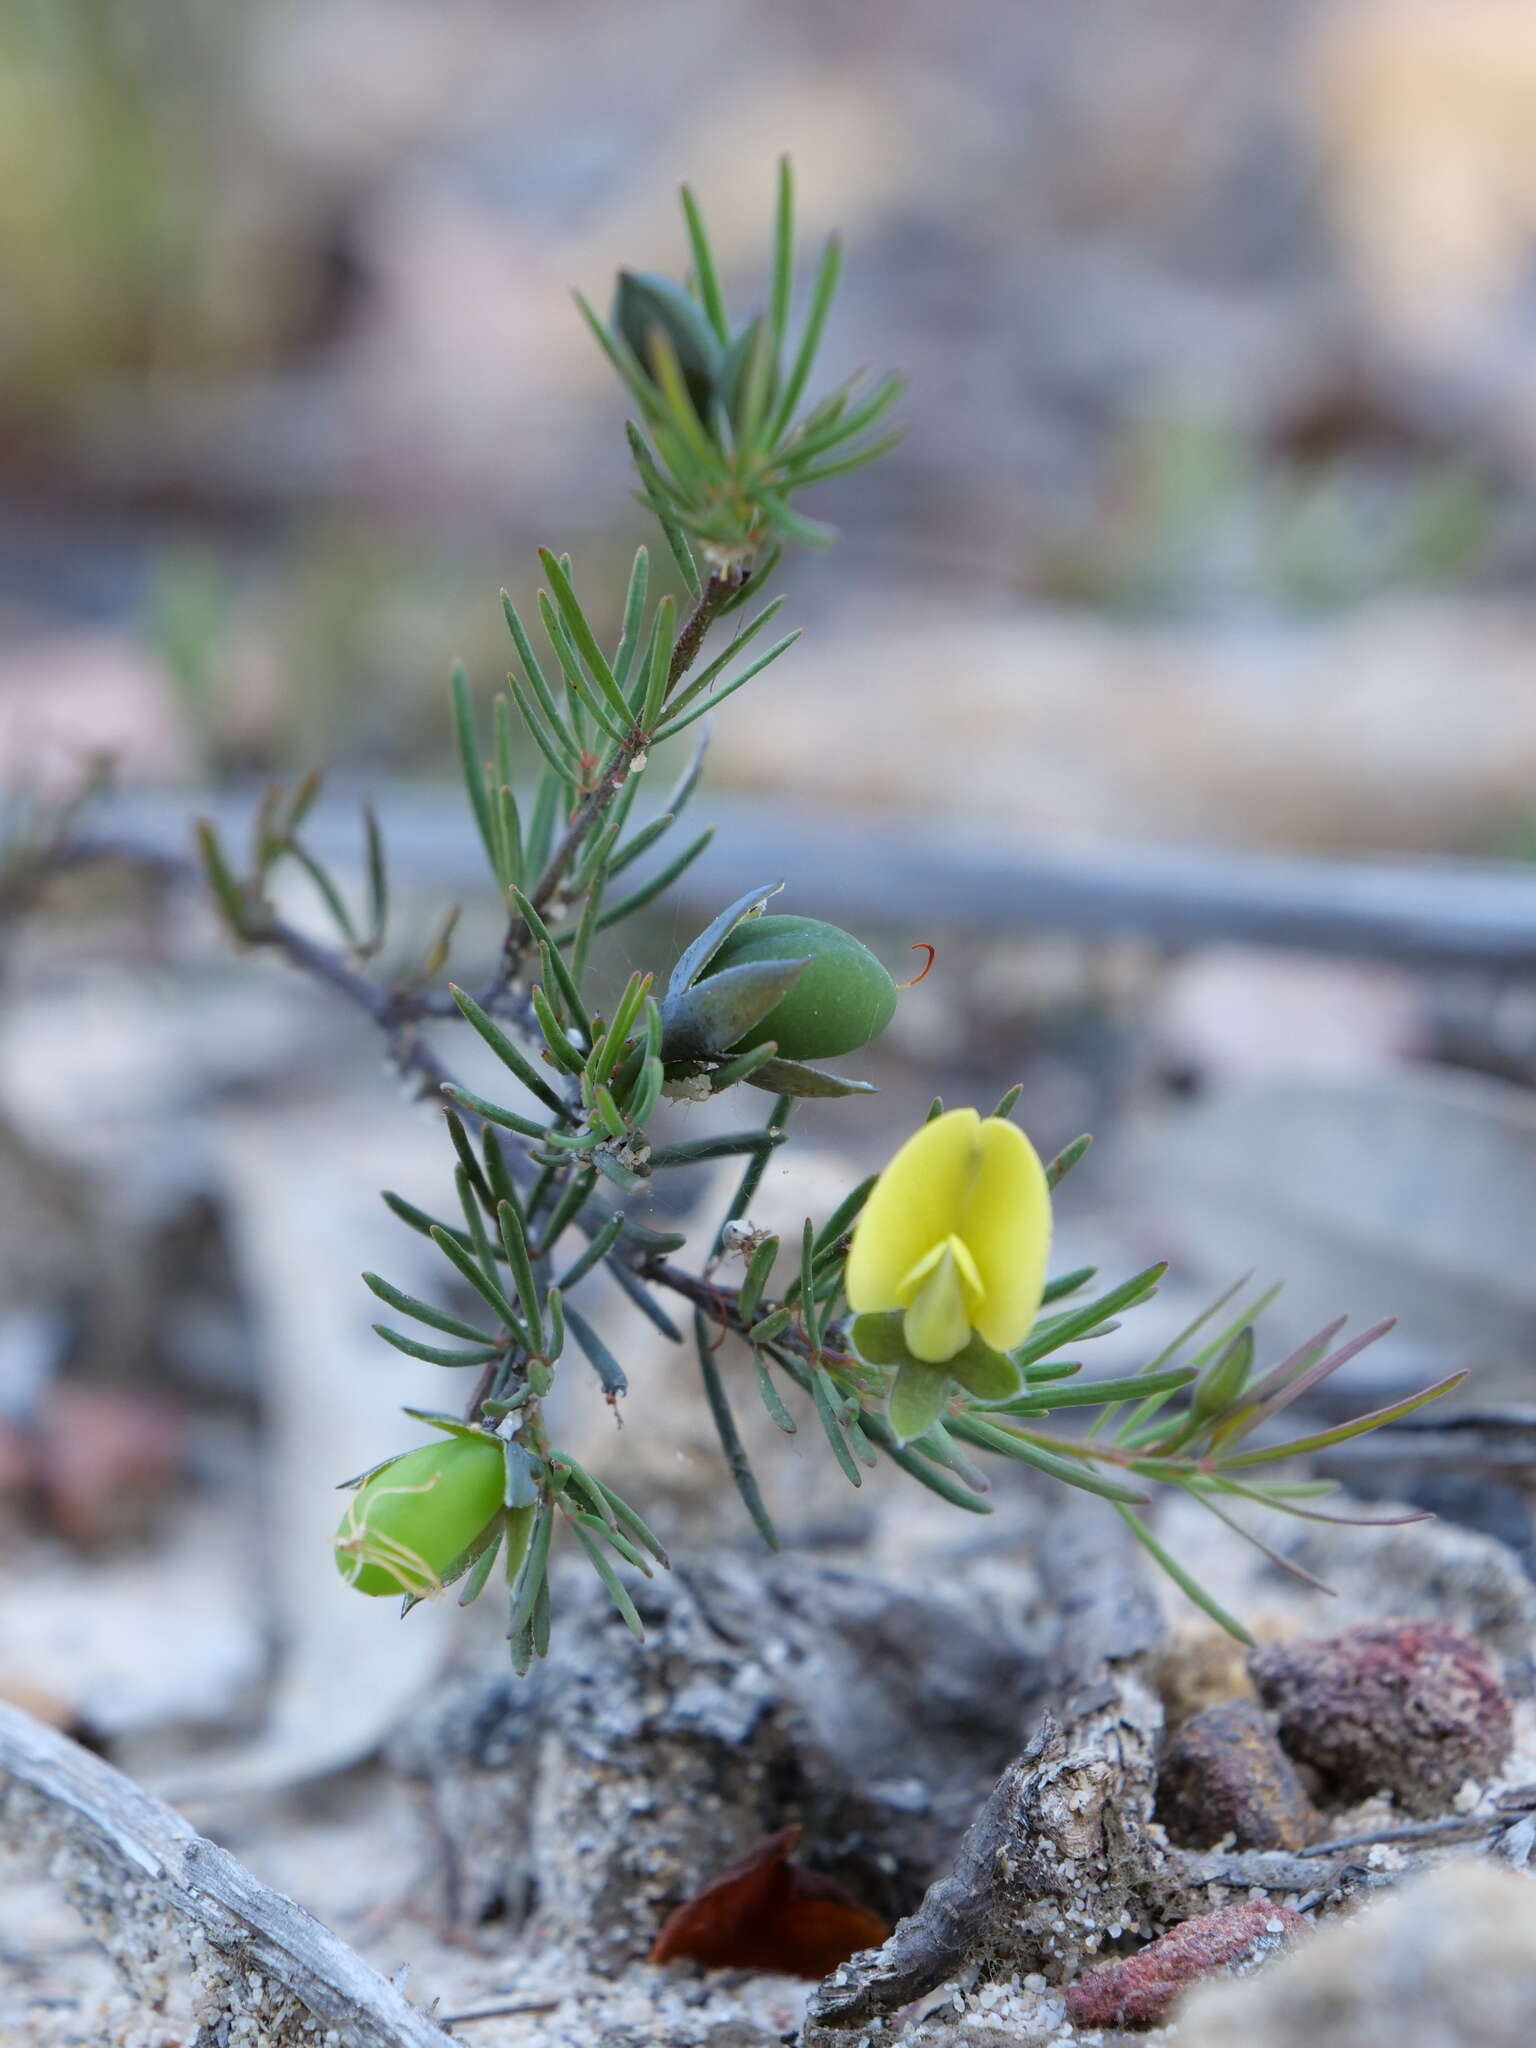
(938, 1321)
(916, 1203)
(1006, 1225)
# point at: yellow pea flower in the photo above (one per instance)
(956, 1233)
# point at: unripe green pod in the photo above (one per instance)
(407, 1526)
(644, 301)
(842, 1000)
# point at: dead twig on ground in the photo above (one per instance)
(145, 1882)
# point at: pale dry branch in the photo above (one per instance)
(141, 1875)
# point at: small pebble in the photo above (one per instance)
(1140, 1990)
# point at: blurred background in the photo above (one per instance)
(1174, 678)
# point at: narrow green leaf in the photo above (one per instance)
(699, 681)
(520, 1265)
(828, 1407)
(823, 292)
(617, 1591)
(642, 842)
(783, 257)
(658, 663)
(643, 1099)
(742, 1066)
(583, 691)
(605, 1532)
(559, 1045)
(680, 428)
(807, 1295)
(1207, 1602)
(1067, 1283)
(620, 355)
(792, 1077)
(418, 1219)
(564, 766)
(573, 1196)
(483, 1285)
(480, 1570)
(585, 639)
(469, 759)
(844, 1215)
(432, 1354)
(759, 1266)
(469, 1162)
(676, 540)
(565, 987)
(511, 1056)
(857, 458)
(424, 1312)
(991, 1436)
(770, 1397)
(231, 899)
(1089, 1393)
(634, 619)
(597, 1250)
(493, 1113)
(529, 1581)
(710, 294)
(713, 702)
(632, 1521)
(1326, 1439)
(720, 1145)
(730, 1438)
(1066, 1329)
(1066, 1159)
(610, 1373)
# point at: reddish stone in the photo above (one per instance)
(1413, 1708)
(1139, 1990)
(1223, 1774)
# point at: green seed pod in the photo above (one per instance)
(643, 302)
(841, 1000)
(409, 1525)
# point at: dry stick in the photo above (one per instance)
(500, 2012)
(153, 1863)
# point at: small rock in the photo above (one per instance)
(1449, 1958)
(1223, 1774)
(1140, 1990)
(1413, 1708)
